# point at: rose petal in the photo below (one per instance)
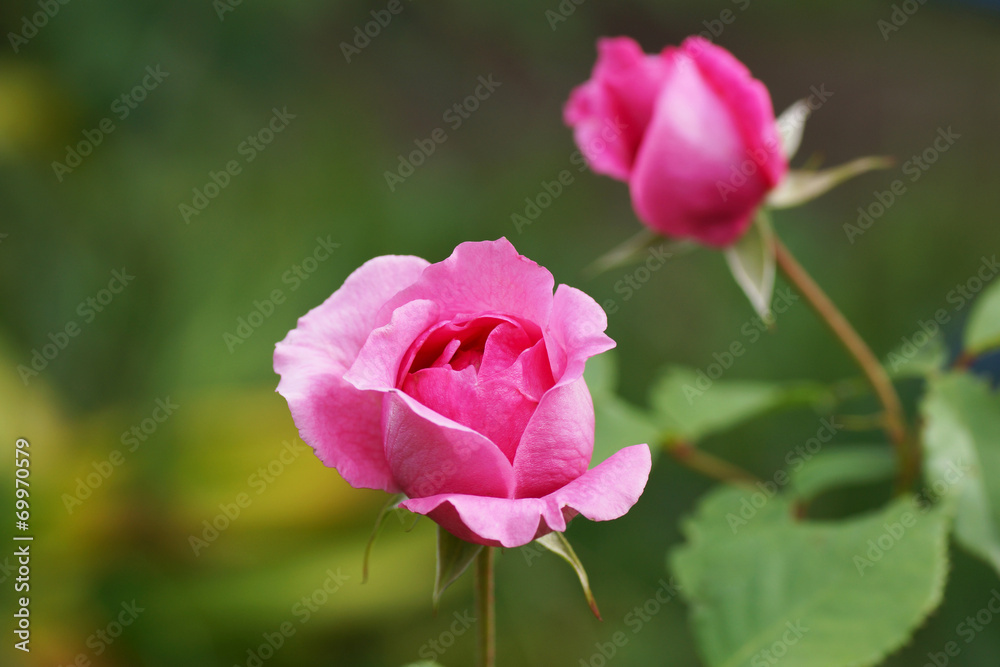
(495, 407)
(610, 112)
(480, 279)
(430, 454)
(377, 365)
(689, 175)
(601, 494)
(313, 357)
(747, 99)
(503, 346)
(575, 333)
(557, 443)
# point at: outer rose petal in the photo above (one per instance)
(482, 278)
(610, 112)
(686, 161)
(601, 494)
(558, 442)
(748, 101)
(575, 333)
(313, 357)
(430, 454)
(377, 364)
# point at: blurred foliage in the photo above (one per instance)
(323, 177)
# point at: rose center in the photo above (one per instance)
(487, 373)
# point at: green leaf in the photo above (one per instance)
(817, 594)
(391, 504)
(619, 423)
(842, 466)
(751, 261)
(454, 556)
(424, 663)
(801, 185)
(982, 333)
(791, 124)
(961, 440)
(689, 405)
(559, 545)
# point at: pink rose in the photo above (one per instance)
(690, 129)
(461, 385)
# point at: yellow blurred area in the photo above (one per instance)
(32, 110)
(302, 520)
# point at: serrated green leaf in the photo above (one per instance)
(982, 332)
(618, 423)
(454, 556)
(842, 466)
(383, 514)
(817, 594)
(751, 261)
(688, 405)
(800, 185)
(961, 440)
(559, 545)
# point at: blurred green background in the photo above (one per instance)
(164, 335)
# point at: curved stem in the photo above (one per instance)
(895, 420)
(707, 464)
(486, 604)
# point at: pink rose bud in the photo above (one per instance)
(690, 129)
(461, 385)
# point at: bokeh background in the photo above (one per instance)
(164, 335)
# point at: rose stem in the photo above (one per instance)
(894, 421)
(486, 601)
(707, 464)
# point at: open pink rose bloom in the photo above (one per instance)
(689, 129)
(461, 385)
